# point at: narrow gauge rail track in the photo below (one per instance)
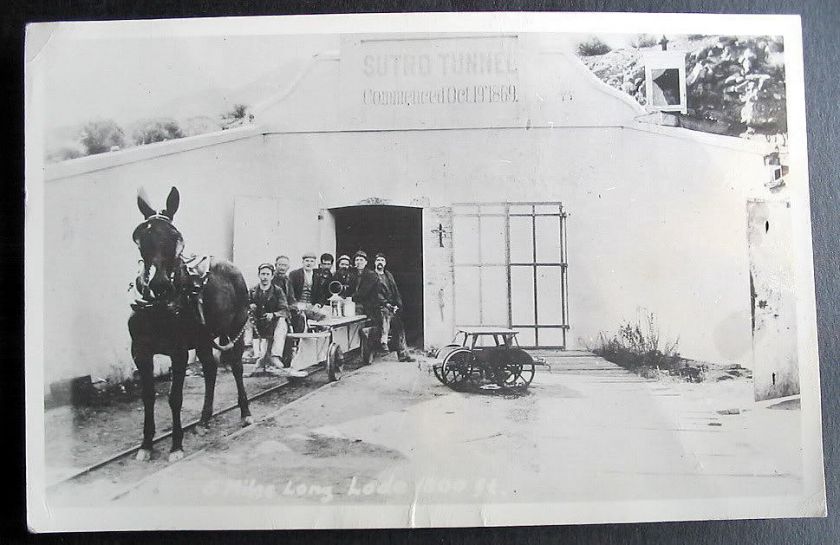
(294, 389)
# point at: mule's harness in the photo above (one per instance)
(198, 281)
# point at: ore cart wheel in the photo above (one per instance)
(441, 354)
(456, 368)
(335, 359)
(509, 375)
(527, 368)
(527, 374)
(438, 370)
(446, 348)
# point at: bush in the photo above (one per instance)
(101, 136)
(238, 114)
(638, 347)
(644, 40)
(593, 46)
(156, 130)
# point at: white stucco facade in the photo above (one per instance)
(656, 216)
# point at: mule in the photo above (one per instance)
(175, 315)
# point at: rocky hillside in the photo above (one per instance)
(734, 85)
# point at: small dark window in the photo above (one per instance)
(666, 87)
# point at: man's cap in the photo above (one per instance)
(344, 257)
(309, 254)
(327, 257)
(265, 266)
(360, 253)
(380, 254)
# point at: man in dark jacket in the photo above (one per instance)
(307, 286)
(270, 307)
(325, 276)
(390, 305)
(281, 277)
(366, 287)
(346, 276)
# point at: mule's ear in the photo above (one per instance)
(143, 204)
(172, 202)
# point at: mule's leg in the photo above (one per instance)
(210, 369)
(233, 357)
(176, 399)
(145, 365)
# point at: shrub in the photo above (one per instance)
(238, 114)
(156, 130)
(101, 136)
(593, 46)
(644, 40)
(637, 346)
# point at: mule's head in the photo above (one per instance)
(160, 245)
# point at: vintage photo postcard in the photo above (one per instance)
(418, 271)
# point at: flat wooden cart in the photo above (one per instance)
(330, 341)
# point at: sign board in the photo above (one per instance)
(422, 81)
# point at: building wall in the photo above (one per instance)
(657, 217)
(655, 222)
(90, 258)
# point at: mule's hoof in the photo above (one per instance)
(201, 429)
(176, 455)
(143, 455)
(247, 420)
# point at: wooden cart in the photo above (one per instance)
(330, 340)
(465, 361)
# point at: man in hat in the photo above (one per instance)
(390, 304)
(281, 281)
(270, 307)
(281, 276)
(325, 276)
(307, 287)
(345, 275)
(365, 289)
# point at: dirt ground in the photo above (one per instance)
(78, 437)
(391, 434)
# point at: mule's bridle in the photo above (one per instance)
(168, 220)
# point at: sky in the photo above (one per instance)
(134, 76)
(128, 78)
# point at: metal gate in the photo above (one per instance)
(511, 269)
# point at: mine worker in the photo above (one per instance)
(270, 307)
(344, 274)
(324, 272)
(296, 321)
(390, 305)
(306, 285)
(281, 277)
(365, 291)
(281, 266)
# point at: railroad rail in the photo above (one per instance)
(312, 370)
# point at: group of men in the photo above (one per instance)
(280, 297)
